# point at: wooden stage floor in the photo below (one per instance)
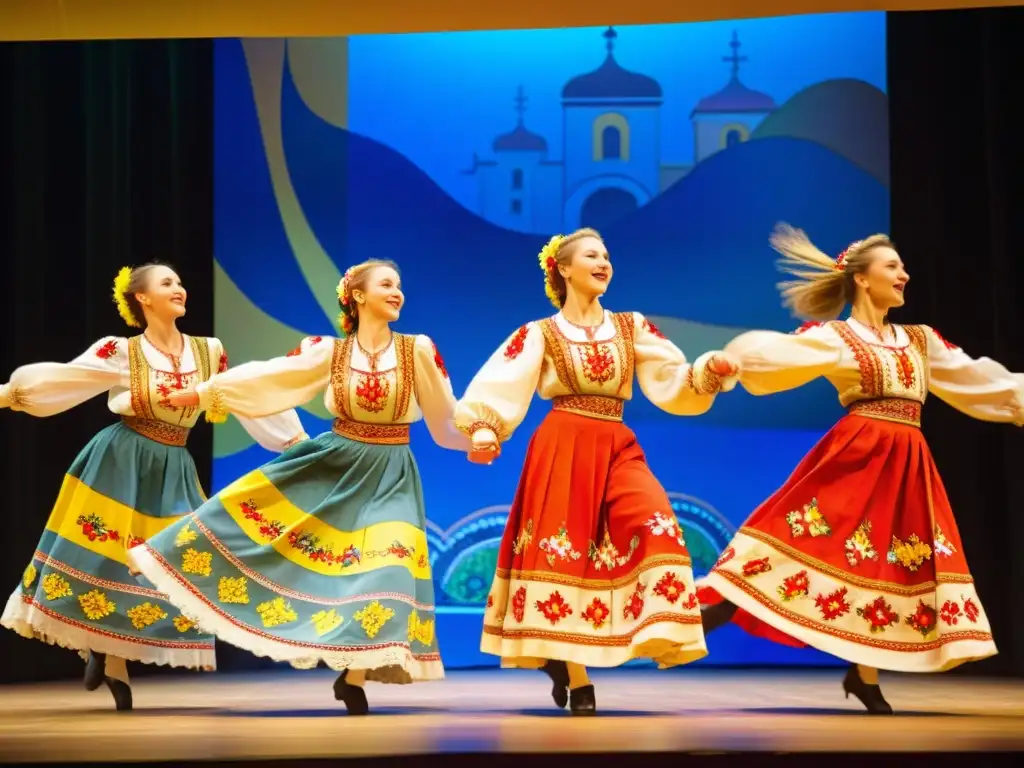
(292, 716)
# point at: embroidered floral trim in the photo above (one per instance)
(233, 590)
(878, 614)
(197, 563)
(107, 350)
(524, 538)
(275, 612)
(96, 605)
(833, 605)
(145, 614)
(439, 361)
(554, 609)
(943, 546)
(652, 328)
(792, 587)
(808, 520)
(56, 586)
(859, 547)
(517, 343)
(662, 524)
(922, 620)
(597, 613)
(559, 546)
(419, 630)
(373, 618)
(910, 554)
(608, 556)
(326, 621)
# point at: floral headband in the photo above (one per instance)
(549, 265)
(345, 319)
(121, 283)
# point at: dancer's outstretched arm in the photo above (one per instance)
(979, 387)
(46, 389)
(669, 381)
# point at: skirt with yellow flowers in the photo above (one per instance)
(318, 556)
(77, 591)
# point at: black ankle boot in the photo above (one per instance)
(559, 674)
(582, 701)
(870, 695)
(716, 616)
(121, 692)
(353, 696)
(95, 670)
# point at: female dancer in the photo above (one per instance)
(321, 555)
(858, 553)
(133, 479)
(593, 569)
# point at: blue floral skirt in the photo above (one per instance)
(318, 556)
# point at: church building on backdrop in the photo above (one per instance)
(611, 149)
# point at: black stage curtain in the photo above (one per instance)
(956, 218)
(107, 161)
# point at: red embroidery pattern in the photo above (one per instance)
(597, 613)
(490, 601)
(807, 326)
(755, 567)
(670, 587)
(108, 350)
(653, 328)
(298, 350)
(372, 392)
(516, 344)
(950, 612)
(971, 610)
(904, 368)
(223, 364)
(725, 557)
(306, 543)
(635, 604)
(439, 361)
(797, 585)
(832, 605)
(878, 614)
(598, 363)
(922, 620)
(554, 608)
(519, 604)
(96, 530)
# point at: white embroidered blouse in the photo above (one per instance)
(402, 384)
(558, 359)
(138, 379)
(862, 369)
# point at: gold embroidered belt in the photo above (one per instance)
(888, 409)
(158, 431)
(377, 434)
(594, 406)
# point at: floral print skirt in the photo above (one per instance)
(318, 556)
(858, 555)
(593, 567)
(78, 591)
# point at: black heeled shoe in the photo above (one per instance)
(353, 696)
(870, 695)
(715, 616)
(121, 692)
(559, 674)
(95, 667)
(582, 701)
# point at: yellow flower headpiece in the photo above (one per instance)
(345, 320)
(121, 283)
(550, 267)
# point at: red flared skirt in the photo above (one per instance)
(858, 555)
(593, 567)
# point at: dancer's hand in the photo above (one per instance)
(722, 365)
(183, 399)
(486, 447)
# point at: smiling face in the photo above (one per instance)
(586, 268)
(884, 279)
(160, 292)
(380, 294)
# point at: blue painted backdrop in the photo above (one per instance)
(458, 154)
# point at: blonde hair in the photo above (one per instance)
(130, 281)
(823, 285)
(559, 251)
(355, 279)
